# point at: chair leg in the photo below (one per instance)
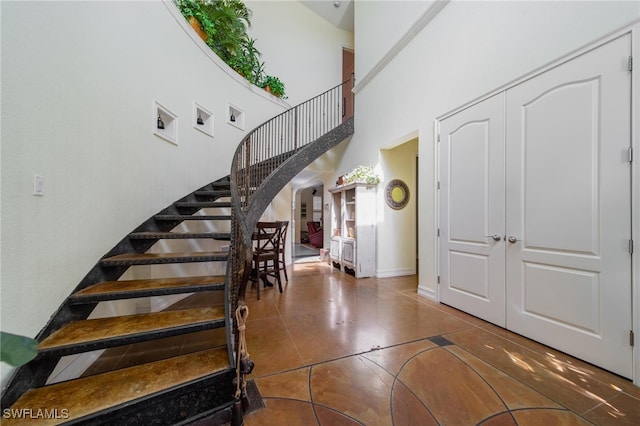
(257, 281)
(277, 269)
(284, 268)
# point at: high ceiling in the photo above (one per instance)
(342, 17)
(338, 12)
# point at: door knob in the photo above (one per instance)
(495, 237)
(512, 239)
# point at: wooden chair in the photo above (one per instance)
(266, 255)
(284, 226)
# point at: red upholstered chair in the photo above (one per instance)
(316, 235)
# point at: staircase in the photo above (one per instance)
(175, 364)
(194, 382)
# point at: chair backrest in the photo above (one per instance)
(268, 236)
(284, 226)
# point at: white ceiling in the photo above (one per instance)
(338, 12)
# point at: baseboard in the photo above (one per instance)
(427, 293)
(389, 273)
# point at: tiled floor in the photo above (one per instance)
(333, 350)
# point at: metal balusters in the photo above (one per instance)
(268, 146)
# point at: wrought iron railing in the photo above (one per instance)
(254, 175)
(262, 151)
(267, 146)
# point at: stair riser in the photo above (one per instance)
(202, 204)
(164, 261)
(180, 218)
(178, 236)
(173, 406)
(143, 242)
(211, 195)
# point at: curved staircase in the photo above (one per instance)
(175, 364)
(182, 383)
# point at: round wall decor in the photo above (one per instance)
(397, 194)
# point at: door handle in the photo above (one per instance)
(495, 237)
(512, 239)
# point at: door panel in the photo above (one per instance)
(568, 205)
(560, 188)
(471, 161)
(578, 286)
(560, 170)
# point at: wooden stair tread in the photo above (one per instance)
(88, 395)
(103, 329)
(213, 193)
(191, 217)
(106, 290)
(178, 235)
(163, 258)
(203, 204)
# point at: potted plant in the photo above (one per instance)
(247, 62)
(224, 24)
(231, 19)
(198, 19)
(273, 85)
(363, 174)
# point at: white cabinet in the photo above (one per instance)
(353, 228)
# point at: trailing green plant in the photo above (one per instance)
(226, 22)
(190, 8)
(231, 19)
(276, 86)
(247, 62)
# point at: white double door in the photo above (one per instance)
(535, 208)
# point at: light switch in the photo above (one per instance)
(38, 185)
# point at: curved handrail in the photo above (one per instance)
(271, 143)
(262, 151)
(255, 168)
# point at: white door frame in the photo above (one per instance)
(634, 31)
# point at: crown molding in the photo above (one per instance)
(414, 30)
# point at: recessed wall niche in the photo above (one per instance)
(235, 116)
(165, 123)
(203, 119)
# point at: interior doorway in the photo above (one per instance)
(348, 68)
(399, 254)
(308, 209)
(309, 233)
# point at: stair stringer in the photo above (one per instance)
(293, 165)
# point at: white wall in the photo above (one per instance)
(397, 227)
(379, 25)
(467, 50)
(299, 47)
(79, 80)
